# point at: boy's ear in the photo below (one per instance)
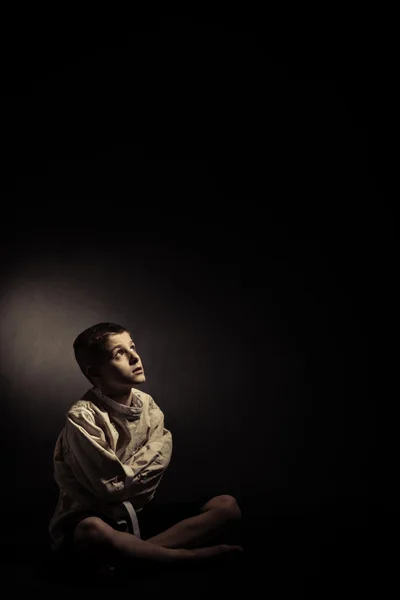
(92, 371)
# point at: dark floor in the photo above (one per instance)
(320, 553)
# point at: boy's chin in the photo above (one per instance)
(139, 378)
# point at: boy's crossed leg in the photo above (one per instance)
(218, 523)
(184, 542)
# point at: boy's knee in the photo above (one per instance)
(225, 504)
(90, 532)
(230, 506)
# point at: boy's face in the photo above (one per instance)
(122, 367)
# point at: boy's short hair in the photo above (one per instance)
(89, 345)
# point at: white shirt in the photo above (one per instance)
(109, 458)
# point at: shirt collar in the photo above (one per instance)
(131, 412)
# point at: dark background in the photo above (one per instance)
(220, 189)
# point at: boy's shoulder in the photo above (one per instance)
(146, 398)
(82, 404)
(86, 403)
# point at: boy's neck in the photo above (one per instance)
(124, 399)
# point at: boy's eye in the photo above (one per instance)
(122, 350)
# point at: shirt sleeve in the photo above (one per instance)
(152, 459)
(95, 466)
(157, 429)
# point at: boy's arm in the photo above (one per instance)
(156, 416)
(97, 468)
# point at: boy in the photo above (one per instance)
(109, 460)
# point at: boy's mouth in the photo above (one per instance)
(137, 370)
